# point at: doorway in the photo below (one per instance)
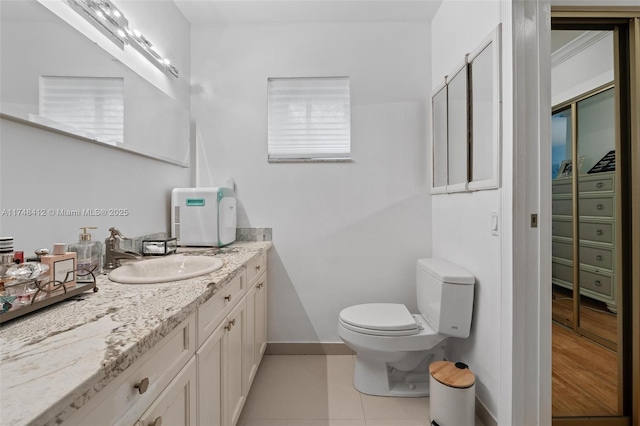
(591, 219)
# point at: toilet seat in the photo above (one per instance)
(379, 319)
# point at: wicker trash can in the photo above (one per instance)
(452, 399)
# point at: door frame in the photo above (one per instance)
(632, 306)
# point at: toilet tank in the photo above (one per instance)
(445, 296)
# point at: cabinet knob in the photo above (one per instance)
(599, 257)
(598, 283)
(228, 298)
(230, 324)
(156, 422)
(599, 232)
(600, 207)
(599, 184)
(257, 267)
(142, 386)
(260, 285)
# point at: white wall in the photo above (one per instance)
(344, 233)
(584, 71)
(45, 170)
(461, 222)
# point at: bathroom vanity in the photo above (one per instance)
(179, 353)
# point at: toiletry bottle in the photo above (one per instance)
(89, 256)
(62, 266)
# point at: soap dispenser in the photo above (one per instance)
(89, 255)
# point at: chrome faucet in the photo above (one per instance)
(112, 251)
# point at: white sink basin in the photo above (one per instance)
(164, 269)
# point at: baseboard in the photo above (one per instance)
(314, 348)
(484, 415)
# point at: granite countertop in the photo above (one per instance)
(53, 361)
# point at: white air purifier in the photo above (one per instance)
(203, 217)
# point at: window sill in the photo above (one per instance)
(310, 160)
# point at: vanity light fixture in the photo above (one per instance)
(107, 18)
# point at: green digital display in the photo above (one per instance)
(195, 202)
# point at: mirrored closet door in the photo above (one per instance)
(587, 366)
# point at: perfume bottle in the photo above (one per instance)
(62, 267)
(89, 256)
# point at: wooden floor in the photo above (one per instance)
(584, 376)
(594, 315)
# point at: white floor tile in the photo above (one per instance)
(315, 390)
(304, 387)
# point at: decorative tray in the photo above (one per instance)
(20, 296)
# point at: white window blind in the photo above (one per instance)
(94, 105)
(309, 119)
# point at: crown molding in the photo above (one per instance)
(576, 46)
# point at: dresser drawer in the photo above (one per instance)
(598, 232)
(599, 207)
(562, 228)
(562, 206)
(562, 272)
(127, 397)
(214, 310)
(563, 250)
(597, 257)
(596, 282)
(256, 268)
(561, 186)
(595, 184)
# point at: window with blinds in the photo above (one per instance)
(309, 119)
(94, 105)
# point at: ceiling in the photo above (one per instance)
(299, 11)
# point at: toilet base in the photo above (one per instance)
(375, 377)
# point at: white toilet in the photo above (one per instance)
(394, 347)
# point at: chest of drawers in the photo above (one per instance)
(596, 228)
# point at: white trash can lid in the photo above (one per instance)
(452, 374)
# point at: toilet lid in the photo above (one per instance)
(380, 316)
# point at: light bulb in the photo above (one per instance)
(137, 33)
(100, 14)
(166, 61)
(116, 13)
(121, 33)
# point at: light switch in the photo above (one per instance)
(494, 223)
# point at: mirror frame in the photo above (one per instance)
(489, 141)
(461, 71)
(438, 140)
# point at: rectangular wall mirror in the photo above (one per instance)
(151, 123)
(484, 70)
(458, 129)
(439, 139)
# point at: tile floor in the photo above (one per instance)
(317, 390)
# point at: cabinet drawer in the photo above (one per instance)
(562, 206)
(604, 183)
(121, 402)
(597, 257)
(176, 406)
(562, 272)
(596, 282)
(256, 268)
(562, 228)
(562, 250)
(598, 232)
(213, 311)
(561, 186)
(599, 207)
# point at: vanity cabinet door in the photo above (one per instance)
(236, 392)
(261, 318)
(249, 350)
(212, 379)
(176, 405)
